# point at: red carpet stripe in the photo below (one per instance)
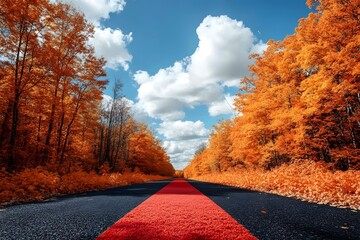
(178, 211)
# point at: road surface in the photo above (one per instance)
(265, 216)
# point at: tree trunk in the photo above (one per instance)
(51, 124)
(14, 125)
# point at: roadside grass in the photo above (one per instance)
(39, 184)
(308, 181)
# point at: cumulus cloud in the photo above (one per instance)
(225, 106)
(97, 10)
(223, 50)
(182, 140)
(111, 44)
(221, 59)
(106, 100)
(183, 130)
(181, 152)
(108, 43)
(165, 94)
(259, 48)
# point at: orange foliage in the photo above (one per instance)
(216, 157)
(302, 100)
(303, 180)
(179, 174)
(54, 133)
(147, 155)
(301, 104)
(38, 184)
(50, 85)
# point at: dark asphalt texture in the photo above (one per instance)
(81, 216)
(284, 218)
(266, 216)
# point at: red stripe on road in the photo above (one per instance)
(177, 211)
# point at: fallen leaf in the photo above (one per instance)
(263, 212)
(344, 227)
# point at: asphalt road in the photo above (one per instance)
(269, 216)
(266, 216)
(81, 216)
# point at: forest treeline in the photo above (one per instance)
(51, 111)
(300, 103)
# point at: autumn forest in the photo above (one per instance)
(298, 126)
(296, 132)
(53, 121)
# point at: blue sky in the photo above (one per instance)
(181, 60)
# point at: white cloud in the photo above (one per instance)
(223, 50)
(221, 59)
(165, 94)
(182, 140)
(182, 152)
(111, 44)
(108, 43)
(97, 10)
(138, 112)
(183, 130)
(259, 48)
(141, 77)
(225, 106)
(106, 100)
